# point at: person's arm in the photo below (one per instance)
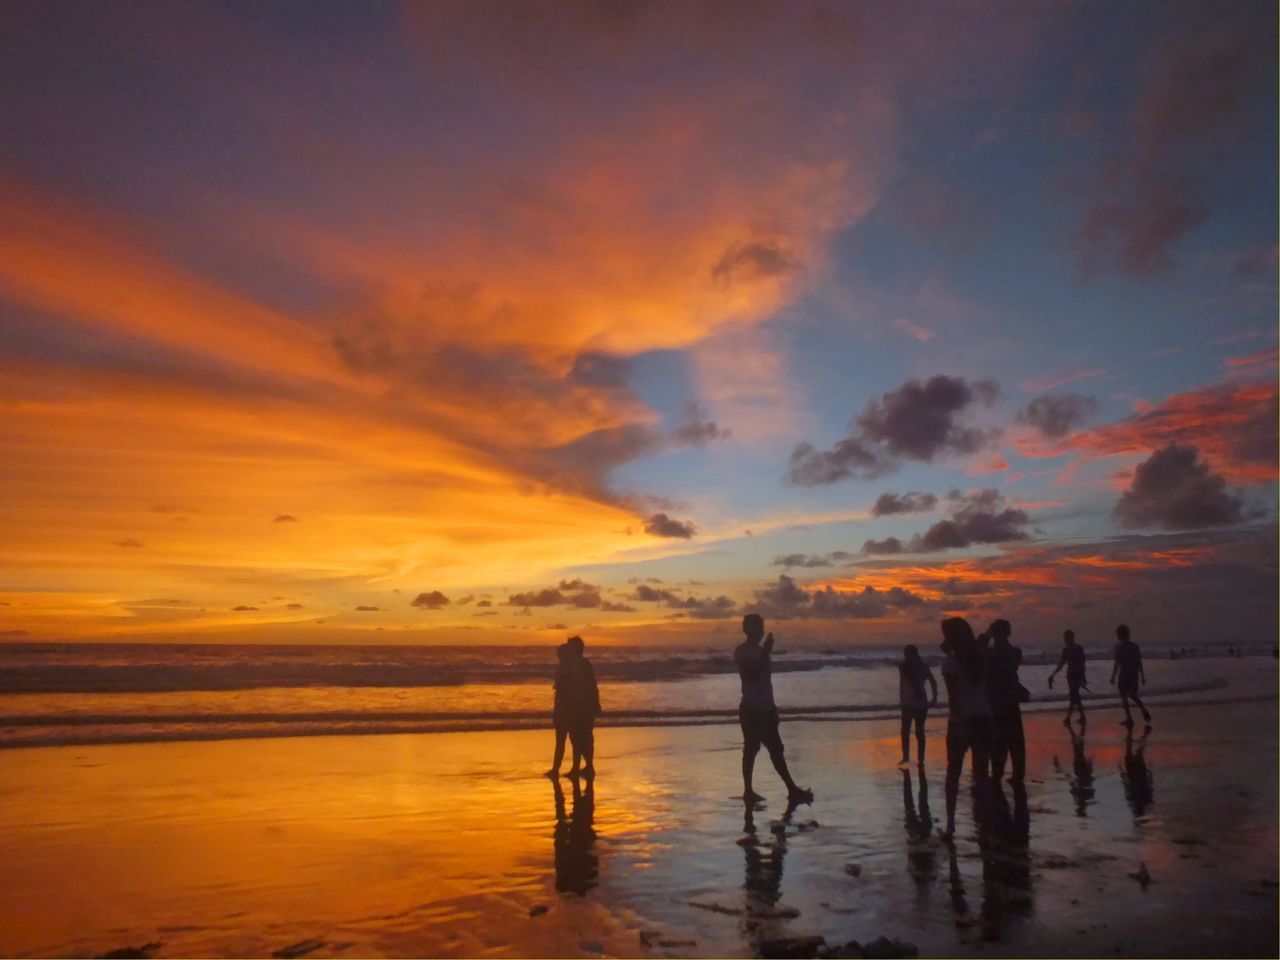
(1115, 666)
(1062, 659)
(933, 684)
(595, 690)
(768, 644)
(1142, 672)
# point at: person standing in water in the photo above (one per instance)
(1129, 666)
(1004, 692)
(757, 713)
(1073, 659)
(913, 673)
(969, 720)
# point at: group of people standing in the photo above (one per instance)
(984, 701)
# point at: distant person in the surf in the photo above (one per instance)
(913, 673)
(969, 720)
(577, 705)
(757, 713)
(1005, 695)
(1073, 658)
(1128, 665)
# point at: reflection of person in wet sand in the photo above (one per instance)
(918, 821)
(1081, 774)
(1073, 659)
(757, 713)
(1139, 785)
(577, 704)
(969, 720)
(913, 673)
(1129, 666)
(577, 865)
(763, 875)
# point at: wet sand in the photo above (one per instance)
(452, 844)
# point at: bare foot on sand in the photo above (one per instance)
(752, 797)
(800, 795)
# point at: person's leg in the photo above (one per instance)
(1146, 714)
(589, 748)
(999, 745)
(956, 747)
(980, 747)
(777, 753)
(1124, 703)
(906, 735)
(750, 747)
(1017, 747)
(921, 716)
(558, 757)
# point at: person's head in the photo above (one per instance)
(1122, 633)
(1000, 630)
(563, 651)
(575, 645)
(1069, 637)
(957, 635)
(909, 652)
(984, 641)
(753, 626)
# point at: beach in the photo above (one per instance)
(454, 844)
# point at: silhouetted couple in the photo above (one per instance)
(984, 701)
(577, 704)
(757, 713)
(1127, 665)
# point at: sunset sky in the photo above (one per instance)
(488, 322)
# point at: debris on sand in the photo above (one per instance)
(853, 869)
(144, 952)
(716, 908)
(592, 947)
(299, 949)
(1143, 875)
(881, 948)
(538, 909)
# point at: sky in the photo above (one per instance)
(489, 323)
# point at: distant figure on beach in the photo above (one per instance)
(913, 673)
(1129, 666)
(757, 713)
(1005, 694)
(577, 704)
(1073, 659)
(969, 720)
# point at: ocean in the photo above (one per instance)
(86, 693)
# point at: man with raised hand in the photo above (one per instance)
(757, 713)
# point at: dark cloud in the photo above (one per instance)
(569, 593)
(609, 606)
(130, 542)
(706, 608)
(581, 464)
(661, 525)
(979, 517)
(812, 560)
(697, 430)
(484, 603)
(755, 260)
(1054, 415)
(1175, 489)
(786, 600)
(648, 594)
(917, 421)
(243, 607)
(293, 606)
(810, 467)
(433, 600)
(285, 518)
(885, 547)
(888, 504)
(1188, 111)
(366, 609)
(602, 370)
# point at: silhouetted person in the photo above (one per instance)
(577, 865)
(559, 714)
(913, 673)
(579, 698)
(1129, 666)
(969, 720)
(1004, 692)
(1073, 659)
(757, 713)
(1139, 786)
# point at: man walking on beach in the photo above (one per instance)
(1004, 692)
(757, 713)
(1073, 659)
(1129, 665)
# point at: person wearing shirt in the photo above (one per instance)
(913, 674)
(757, 713)
(1073, 659)
(1129, 666)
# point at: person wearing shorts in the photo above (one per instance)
(757, 713)
(1129, 666)
(1073, 659)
